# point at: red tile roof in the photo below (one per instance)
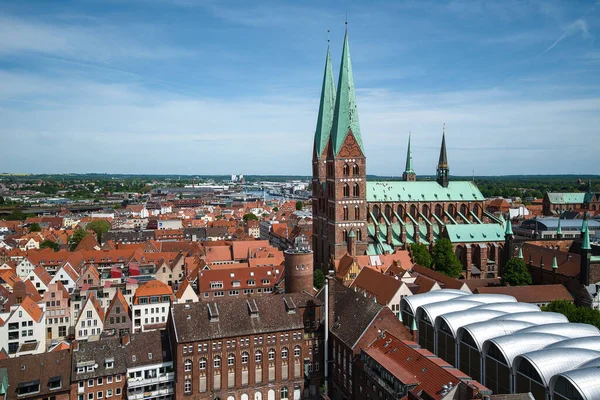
(153, 288)
(531, 294)
(378, 285)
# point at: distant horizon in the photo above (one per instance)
(195, 85)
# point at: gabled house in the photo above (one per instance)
(151, 305)
(58, 312)
(186, 293)
(22, 329)
(90, 321)
(89, 276)
(67, 276)
(117, 320)
(40, 278)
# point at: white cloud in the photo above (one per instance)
(579, 26)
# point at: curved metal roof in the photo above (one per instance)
(516, 344)
(489, 298)
(593, 363)
(549, 362)
(510, 307)
(432, 310)
(585, 342)
(534, 317)
(414, 302)
(567, 329)
(482, 331)
(585, 380)
(455, 320)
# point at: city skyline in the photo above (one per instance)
(175, 87)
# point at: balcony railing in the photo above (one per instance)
(150, 395)
(135, 382)
(384, 384)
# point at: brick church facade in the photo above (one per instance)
(351, 215)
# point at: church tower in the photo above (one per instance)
(346, 163)
(409, 174)
(442, 169)
(319, 201)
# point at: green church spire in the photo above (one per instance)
(520, 253)
(345, 117)
(586, 239)
(409, 164)
(326, 105)
(558, 229)
(508, 230)
(554, 263)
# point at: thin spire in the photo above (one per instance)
(345, 117)
(409, 164)
(443, 162)
(508, 230)
(558, 229)
(586, 240)
(520, 256)
(326, 105)
(554, 263)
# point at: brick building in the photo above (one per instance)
(38, 376)
(259, 348)
(376, 217)
(98, 370)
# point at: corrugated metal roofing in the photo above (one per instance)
(510, 307)
(411, 303)
(586, 380)
(568, 329)
(482, 331)
(534, 317)
(585, 342)
(517, 343)
(549, 362)
(455, 320)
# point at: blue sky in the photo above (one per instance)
(221, 87)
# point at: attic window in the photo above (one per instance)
(149, 356)
(133, 358)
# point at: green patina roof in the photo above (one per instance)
(3, 380)
(352, 234)
(558, 229)
(520, 252)
(566, 198)
(409, 163)
(584, 225)
(475, 233)
(508, 230)
(422, 191)
(345, 117)
(586, 240)
(443, 161)
(554, 263)
(326, 105)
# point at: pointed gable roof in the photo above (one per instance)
(345, 117)
(91, 298)
(118, 299)
(31, 307)
(43, 275)
(326, 108)
(183, 288)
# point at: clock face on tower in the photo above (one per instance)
(350, 148)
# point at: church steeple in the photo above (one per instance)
(345, 117)
(442, 169)
(409, 174)
(326, 106)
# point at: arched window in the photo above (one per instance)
(400, 212)
(425, 211)
(202, 363)
(356, 190)
(346, 170)
(345, 235)
(358, 235)
(413, 211)
(284, 352)
(187, 387)
(284, 393)
(187, 365)
(388, 212)
(355, 169)
(376, 213)
(258, 356)
(346, 190)
(230, 360)
(345, 213)
(356, 213)
(439, 210)
(271, 354)
(217, 362)
(464, 210)
(245, 357)
(452, 210)
(297, 351)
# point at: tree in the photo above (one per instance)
(35, 227)
(515, 273)
(275, 208)
(1, 200)
(318, 279)
(445, 260)
(77, 236)
(420, 255)
(99, 227)
(16, 215)
(299, 205)
(250, 217)
(49, 244)
(573, 313)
